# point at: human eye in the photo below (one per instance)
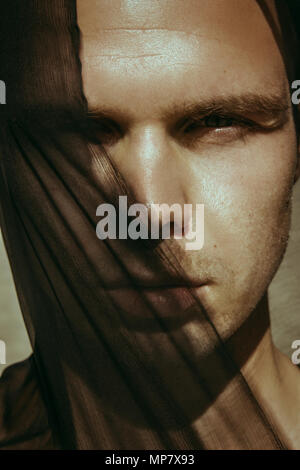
(217, 128)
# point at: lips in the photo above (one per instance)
(157, 309)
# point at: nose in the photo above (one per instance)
(151, 164)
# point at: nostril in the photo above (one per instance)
(171, 229)
(167, 230)
(175, 229)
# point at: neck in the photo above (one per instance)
(273, 378)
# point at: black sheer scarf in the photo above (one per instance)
(100, 377)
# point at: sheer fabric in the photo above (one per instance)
(101, 376)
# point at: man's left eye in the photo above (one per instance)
(212, 121)
(215, 129)
(218, 121)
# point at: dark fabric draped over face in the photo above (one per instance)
(100, 377)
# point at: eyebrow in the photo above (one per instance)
(272, 107)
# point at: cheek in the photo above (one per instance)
(246, 192)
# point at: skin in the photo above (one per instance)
(145, 65)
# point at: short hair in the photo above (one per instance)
(289, 18)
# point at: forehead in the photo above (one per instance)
(156, 49)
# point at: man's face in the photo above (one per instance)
(193, 101)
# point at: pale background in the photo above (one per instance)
(284, 300)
